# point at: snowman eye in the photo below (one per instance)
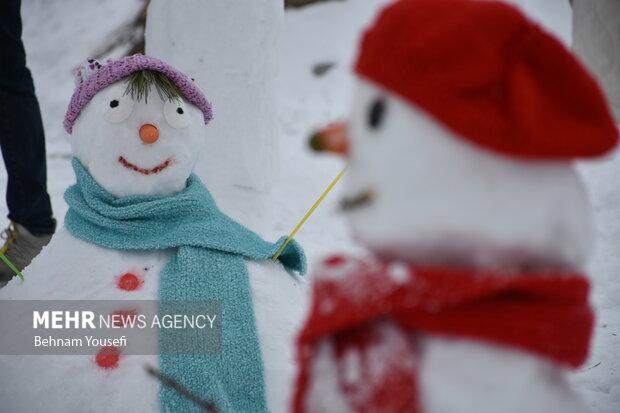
(174, 113)
(118, 108)
(376, 113)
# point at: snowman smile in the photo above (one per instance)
(358, 200)
(145, 171)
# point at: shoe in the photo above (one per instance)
(20, 247)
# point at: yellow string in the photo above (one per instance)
(11, 266)
(308, 214)
(5, 248)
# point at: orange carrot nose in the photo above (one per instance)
(149, 133)
(332, 138)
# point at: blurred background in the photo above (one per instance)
(305, 78)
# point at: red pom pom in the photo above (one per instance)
(108, 357)
(129, 282)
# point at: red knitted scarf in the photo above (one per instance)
(371, 309)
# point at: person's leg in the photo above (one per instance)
(21, 130)
(23, 148)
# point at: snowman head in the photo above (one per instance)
(137, 125)
(460, 158)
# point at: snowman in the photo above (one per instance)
(461, 186)
(141, 226)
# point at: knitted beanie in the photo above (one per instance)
(495, 78)
(95, 76)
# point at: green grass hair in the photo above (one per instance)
(139, 83)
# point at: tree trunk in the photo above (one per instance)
(129, 37)
(302, 3)
(596, 39)
(229, 47)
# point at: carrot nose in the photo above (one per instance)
(149, 133)
(332, 138)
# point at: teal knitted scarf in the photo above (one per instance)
(209, 264)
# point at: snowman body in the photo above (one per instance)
(72, 269)
(487, 378)
(134, 146)
(465, 206)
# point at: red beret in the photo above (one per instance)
(485, 71)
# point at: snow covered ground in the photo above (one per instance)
(60, 34)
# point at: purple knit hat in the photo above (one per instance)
(93, 77)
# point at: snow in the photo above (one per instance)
(351, 366)
(399, 272)
(323, 394)
(553, 15)
(60, 35)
